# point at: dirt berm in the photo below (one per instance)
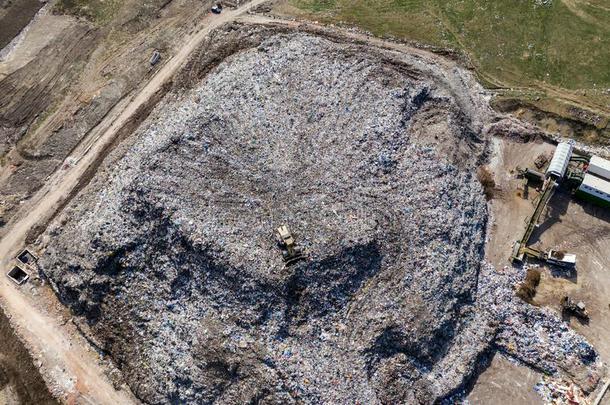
(370, 157)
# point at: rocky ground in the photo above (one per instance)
(168, 258)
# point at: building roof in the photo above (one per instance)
(600, 162)
(560, 160)
(597, 183)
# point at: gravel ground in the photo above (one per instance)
(370, 158)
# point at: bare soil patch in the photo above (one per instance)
(20, 381)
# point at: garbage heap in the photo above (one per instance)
(169, 262)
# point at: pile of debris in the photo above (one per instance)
(370, 157)
(533, 336)
(560, 392)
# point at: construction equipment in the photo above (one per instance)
(520, 246)
(574, 178)
(547, 192)
(560, 258)
(531, 175)
(290, 252)
(541, 160)
(556, 257)
(576, 308)
(580, 159)
(217, 8)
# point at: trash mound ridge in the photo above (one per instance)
(170, 258)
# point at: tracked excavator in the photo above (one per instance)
(574, 308)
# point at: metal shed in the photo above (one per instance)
(595, 189)
(600, 167)
(560, 161)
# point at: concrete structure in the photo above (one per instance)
(599, 167)
(26, 257)
(595, 189)
(561, 158)
(18, 275)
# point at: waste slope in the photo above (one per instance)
(170, 258)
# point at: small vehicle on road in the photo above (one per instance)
(155, 58)
(217, 8)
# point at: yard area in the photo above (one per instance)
(567, 224)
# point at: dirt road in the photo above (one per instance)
(369, 39)
(69, 365)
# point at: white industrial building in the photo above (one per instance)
(599, 167)
(595, 189)
(560, 161)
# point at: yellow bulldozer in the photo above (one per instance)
(290, 252)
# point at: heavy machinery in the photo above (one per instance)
(580, 159)
(520, 247)
(574, 178)
(560, 258)
(541, 161)
(531, 175)
(556, 257)
(217, 8)
(558, 170)
(575, 308)
(290, 252)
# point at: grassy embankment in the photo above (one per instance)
(98, 11)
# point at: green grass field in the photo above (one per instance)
(561, 43)
(98, 11)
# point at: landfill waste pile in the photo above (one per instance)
(169, 262)
(533, 336)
